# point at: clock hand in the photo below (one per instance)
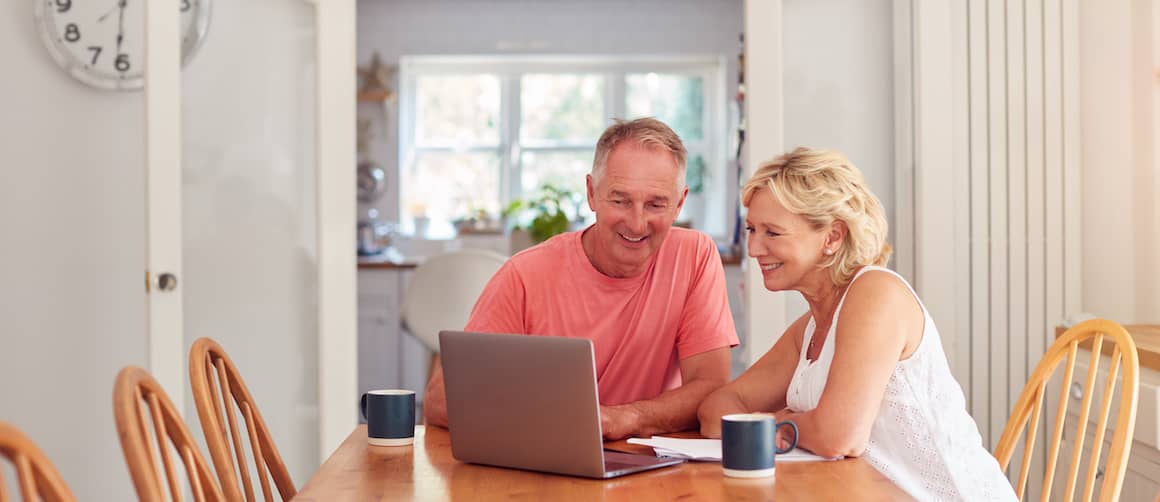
(103, 16)
(120, 24)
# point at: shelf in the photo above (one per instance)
(377, 96)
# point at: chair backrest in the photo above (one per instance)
(137, 395)
(1028, 408)
(38, 478)
(217, 384)
(443, 290)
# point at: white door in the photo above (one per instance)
(258, 236)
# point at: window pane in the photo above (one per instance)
(561, 108)
(677, 100)
(564, 170)
(695, 172)
(446, 186)
(457, 110)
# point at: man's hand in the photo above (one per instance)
(618, 422)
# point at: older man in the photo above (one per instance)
(650, 297)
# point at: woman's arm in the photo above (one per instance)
(761, 388)
(880, 324)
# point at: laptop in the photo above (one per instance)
(529, 402)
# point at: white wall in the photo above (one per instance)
(72, 308)
(72, 196)
(839, 89)
(1121, 173)
(456, 27)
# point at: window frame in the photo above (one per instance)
(614, 69)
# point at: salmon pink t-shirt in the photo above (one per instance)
(640, 327)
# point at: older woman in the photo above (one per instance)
(862, 373)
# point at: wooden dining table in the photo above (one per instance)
(427, 471)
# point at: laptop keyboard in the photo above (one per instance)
(616, 466)
(616, 461)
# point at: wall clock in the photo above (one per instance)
(102, 42)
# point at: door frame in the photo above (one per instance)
(337, 267)
(766, 316)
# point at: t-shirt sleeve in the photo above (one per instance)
(706, 321)
(500, 307)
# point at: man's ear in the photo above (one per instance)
(681, 203)
(591, 190)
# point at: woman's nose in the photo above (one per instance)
(755, 249)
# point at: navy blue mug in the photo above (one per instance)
(390, 416)
(749, 444)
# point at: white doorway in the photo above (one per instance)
(240, 210)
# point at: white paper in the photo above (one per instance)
(709, 450)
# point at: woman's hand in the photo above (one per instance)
(785, 438)
(784, 435)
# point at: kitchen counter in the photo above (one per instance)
(393, 259)
(389, 259)
(1147, 338)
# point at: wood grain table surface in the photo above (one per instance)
(427, 471)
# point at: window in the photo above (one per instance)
(477, 133)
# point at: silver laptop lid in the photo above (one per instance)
(528, 402)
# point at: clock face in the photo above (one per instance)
(102, 42)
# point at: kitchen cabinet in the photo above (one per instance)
(388, 357)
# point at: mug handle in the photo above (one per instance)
(363, 406)
(792, 445)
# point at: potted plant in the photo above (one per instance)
(537, 219)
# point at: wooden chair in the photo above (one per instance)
(38, 478)
(210, 369)
(134, 392)
(1029, 407)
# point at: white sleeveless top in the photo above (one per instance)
(923, 438)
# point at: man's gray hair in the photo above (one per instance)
(648, 132)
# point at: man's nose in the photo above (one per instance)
(637, 223)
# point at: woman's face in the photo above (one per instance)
(785, 246)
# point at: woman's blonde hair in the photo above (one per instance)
(824, 186)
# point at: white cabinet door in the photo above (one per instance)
(388, 356)
(240, 210)
(378, 329)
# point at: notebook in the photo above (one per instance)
(709, 450)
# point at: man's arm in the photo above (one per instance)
(435, 399)
(499, 309)
(674, 410)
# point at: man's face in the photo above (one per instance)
(636, 201)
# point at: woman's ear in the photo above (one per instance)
(837, 235)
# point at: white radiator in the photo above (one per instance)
(988, 184)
